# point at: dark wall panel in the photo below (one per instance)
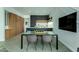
(37, 17)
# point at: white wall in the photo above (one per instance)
(70, 39)
(26, 19)
(2, 24)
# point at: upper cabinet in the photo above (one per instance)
(34, 18)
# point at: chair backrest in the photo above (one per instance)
(32, 38)
(47, 38)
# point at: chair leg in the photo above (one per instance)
(35, 46)
(42, 44)
(50, 46)
(27, 45)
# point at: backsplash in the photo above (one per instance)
(41, 25)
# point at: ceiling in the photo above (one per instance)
(34, 10)
(42, 10)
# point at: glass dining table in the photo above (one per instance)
(39, 34)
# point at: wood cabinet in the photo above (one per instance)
(12, 24)
(16, 25)
(8, 34)
(20, 25)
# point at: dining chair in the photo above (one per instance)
(31, 39)
(47, 39)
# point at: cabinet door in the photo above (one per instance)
(7, 34)
(20, 25)
(12, 24)
(16, 25)
(11, 32)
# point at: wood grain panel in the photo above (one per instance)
(16, 25)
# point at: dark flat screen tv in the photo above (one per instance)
(68, 22)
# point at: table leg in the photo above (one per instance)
(57, 42)
(42, 42)
(21, 41)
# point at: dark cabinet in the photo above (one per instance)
(37, 17)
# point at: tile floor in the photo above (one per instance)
(13, 45)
